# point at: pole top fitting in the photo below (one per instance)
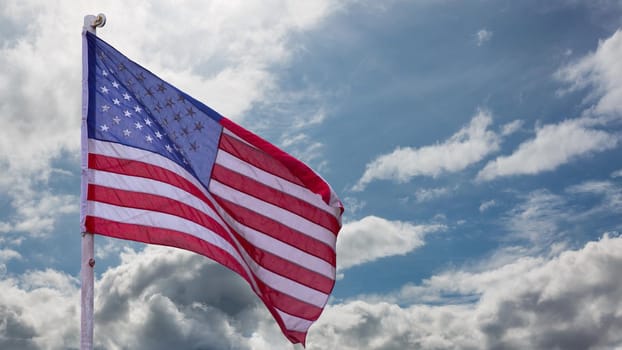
(91, 22)
(100, 20)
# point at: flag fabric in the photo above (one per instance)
(163, 168)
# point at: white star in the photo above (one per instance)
(149, 139)
(148, 122)
(127, 132)
(104, 89)
(126, 96)
(104, 127)
(105, 108)
(137, 109)
(138, 125)
(104, 73)
(116, 101)
(127, 113)
(169, 148)
(158, 135)
(116, 119)
(115, 84)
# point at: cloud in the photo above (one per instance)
(538, 217)
(568, 301)
(39, 310)
(511, 127)
(9, 254)
(36, 208)
(468, 146)
(487, 205)
(353, 204)
(553, 145)
(599, 70)
(483, 36)
(617, 173)
(164, 298)
(372, 238)
(545, 219)
(610, 193)
(558, 144)
(427, 194)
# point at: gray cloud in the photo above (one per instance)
(159, 298)
(165, 299)
(569, 301)
(16, 333)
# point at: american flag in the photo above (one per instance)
(163, 168)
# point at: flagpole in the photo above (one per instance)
(87, 275)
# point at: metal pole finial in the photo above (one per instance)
(91, 22)
(100, 20)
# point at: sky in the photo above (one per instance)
(475, 145)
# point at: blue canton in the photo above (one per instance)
(132, 106)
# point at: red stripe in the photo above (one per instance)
(160, 204)
(281, 199)
(156, 235)
(289, 304)
(144, 170)
(278, 231)
(256, 157)
(301, 171)
(288, 269)
(148, 171)
(293, 336)
(155, 203)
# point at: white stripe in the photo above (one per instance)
(117, 150)
(279, 214)
(294, 323)
(230, 133)
(256, 238)
(233, 163)
(277, 247)
(283, 284)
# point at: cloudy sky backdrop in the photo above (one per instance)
(476, 146)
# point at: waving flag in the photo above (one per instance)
(163, 168)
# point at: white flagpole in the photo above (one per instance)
(88, 258)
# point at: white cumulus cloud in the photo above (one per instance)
(372, 238)
(467, 146)
(553, 145)
(600, 70)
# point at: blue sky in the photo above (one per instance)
(475, 145)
